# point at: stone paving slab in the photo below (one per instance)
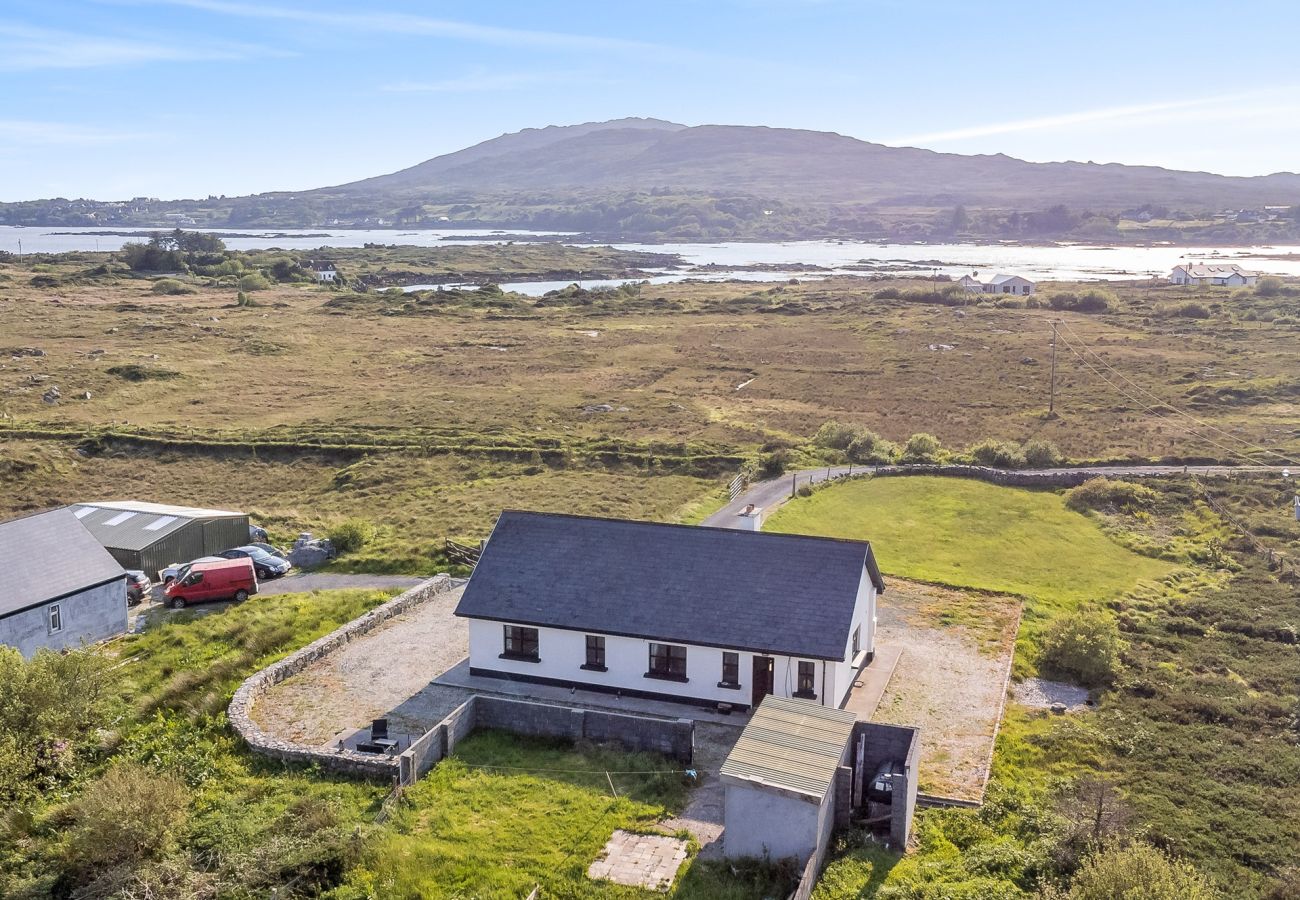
(640, 860)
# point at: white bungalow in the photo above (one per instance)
(324, 272)
(1224, 274)
(1009, 284)
(671, 612)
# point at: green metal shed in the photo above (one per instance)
(151, 536)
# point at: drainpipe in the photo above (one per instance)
(823, 682)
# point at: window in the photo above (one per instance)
(857, 640)
(667, 661)
(520, 643)
(119, 518)
(595, 653)
(807, 680)
(160, 523)
(730, 670)
(56, 619)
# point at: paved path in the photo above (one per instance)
(768, 495)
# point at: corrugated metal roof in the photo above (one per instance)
(129, 525)
(49, 555)
(793, 745)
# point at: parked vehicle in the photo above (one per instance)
(177, 570)
(225, 579)
(256, 533)
(266, 565)
(274, 551)
(138, 586)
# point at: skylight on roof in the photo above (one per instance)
(159, 523)
(82, 511)
(119, 518)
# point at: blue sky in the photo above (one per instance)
(182, 98)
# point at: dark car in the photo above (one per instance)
(266, 565)
(274, 551)
(887, 777)
(138, 586)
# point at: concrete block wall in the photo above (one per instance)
(674, 738)
(892, 742)
(346, 761)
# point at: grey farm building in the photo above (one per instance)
(150, 536)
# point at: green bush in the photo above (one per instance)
(242, 299)
(1088, 301)
(1137, 871)
(836, 435)
(1041, 454)
(869, 447)
(922, 448)
(1268, 286)
(1192, 311)
(997, 454)
(770, 465)
(1081, 647)
(351, 535)
(253, 281)
(171, 287)
(129, 814)
(1105, 495)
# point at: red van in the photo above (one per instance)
(226, 579)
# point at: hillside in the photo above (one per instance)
(648, 179)
(799, 166)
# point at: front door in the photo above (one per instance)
(764, 678)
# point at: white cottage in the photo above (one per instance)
(1009, 284)
(1224, 274)
(61, 589)
(671, 612)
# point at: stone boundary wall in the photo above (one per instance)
(347, 761)
(1004, 477)
(674, 738)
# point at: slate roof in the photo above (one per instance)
(134, 525)
(784, 594)
(47, 556)
(791, 745)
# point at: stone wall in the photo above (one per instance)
(346, 761)
(1004, 477)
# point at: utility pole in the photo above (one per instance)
(1051, 401)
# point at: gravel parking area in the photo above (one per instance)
(388, 672)
(950, 679)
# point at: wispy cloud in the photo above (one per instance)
(27, 132)
(26, 48)
(484, 80)
(378, 22)
(1228, 106)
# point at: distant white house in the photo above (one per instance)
(1226, 274)
(998, 284)
(671, 612)
(325, 272)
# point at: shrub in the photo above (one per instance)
(1110, 496)
(242, 299)
(44, 281)
(805, 490)
(1088, 301)
(922, 448)
(773, 464)
(351, 535)
(1041, 454)
(253, 281)
(1268, 286)
(1083, 647)
(997, 454)
(133, 372)
(1135, 871)
(836, 435)
(170, 287)
(889, 293)
(1192, 311)
(129, 814)
(869, 447)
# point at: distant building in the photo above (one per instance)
(1224, 274)
(324, 272)
(150, 536)
(998, 284)
(61, 588)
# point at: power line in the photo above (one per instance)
(1163, 417)
(1167, 405)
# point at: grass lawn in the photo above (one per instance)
(971, 534)
(507, 813)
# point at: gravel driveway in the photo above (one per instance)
(385, 673)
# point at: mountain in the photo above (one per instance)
(802, 167)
